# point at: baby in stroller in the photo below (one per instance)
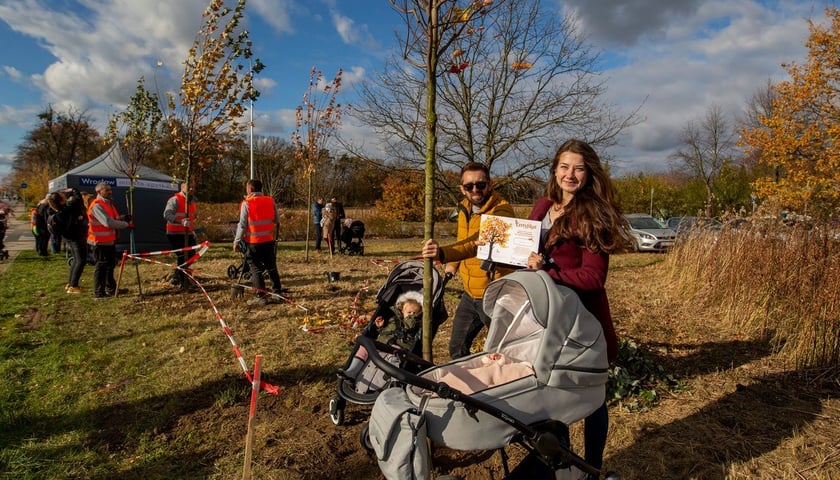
(396, 332)
(399, 330)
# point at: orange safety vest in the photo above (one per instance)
(261, 226)
(180, 216)
(99, 234)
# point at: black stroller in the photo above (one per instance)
(241, 272)
(352, 239)
(403, 348)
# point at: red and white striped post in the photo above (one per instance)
(249, 437)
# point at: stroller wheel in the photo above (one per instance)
(364, 438)
(337, 405)
(246, 276)
(232, 272)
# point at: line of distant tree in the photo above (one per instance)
(64, 140)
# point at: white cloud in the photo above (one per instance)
(99, 58)
(719, 56)
(351, 33)
(18, 117)
(13, 72)
(352, 76)
(276, 13)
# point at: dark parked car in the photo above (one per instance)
(683, 225)
(649, 234)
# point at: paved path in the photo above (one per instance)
(18, 236)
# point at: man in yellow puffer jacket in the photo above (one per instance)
(479, 199)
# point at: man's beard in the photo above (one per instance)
(481, 202)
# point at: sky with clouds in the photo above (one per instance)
(674, 58)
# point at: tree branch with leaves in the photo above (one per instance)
(136, 132)
(317, 119)
(207, 113)
(432, 28)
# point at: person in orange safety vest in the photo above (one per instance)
(259, 225)
(180, 229)
(103, 223)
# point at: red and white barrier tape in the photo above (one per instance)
(190, 274)
(272, 389)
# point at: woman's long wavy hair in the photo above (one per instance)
(593, 216)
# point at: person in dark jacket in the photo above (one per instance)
(317, 215)
(582, 225)
(70, 215)
(39, 228)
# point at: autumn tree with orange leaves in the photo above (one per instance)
(217, 82)
(317, 120)
(799, 138)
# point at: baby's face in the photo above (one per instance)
(410, 309)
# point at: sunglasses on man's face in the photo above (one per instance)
(469, 186)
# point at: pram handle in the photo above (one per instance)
(544, 443)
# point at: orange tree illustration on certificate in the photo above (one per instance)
(494, 231)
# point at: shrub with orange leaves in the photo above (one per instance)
(402, 197)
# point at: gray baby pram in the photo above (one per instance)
(544, 367)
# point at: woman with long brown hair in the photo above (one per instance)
(582, 225)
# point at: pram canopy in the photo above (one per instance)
(571, 350)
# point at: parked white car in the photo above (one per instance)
(649, 234)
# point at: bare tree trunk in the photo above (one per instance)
(431, 145)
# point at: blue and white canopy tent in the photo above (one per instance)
(151, 191)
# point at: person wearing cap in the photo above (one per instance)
(180, 230)
(103, 223)
(258, 228)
